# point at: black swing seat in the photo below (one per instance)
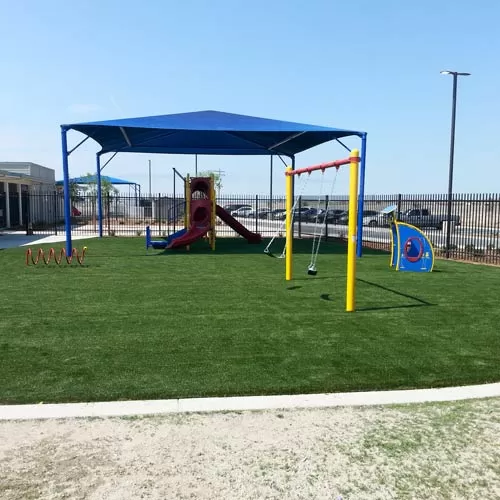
(311, 270)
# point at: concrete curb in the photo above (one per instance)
(160, 407)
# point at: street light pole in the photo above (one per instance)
(455, 75)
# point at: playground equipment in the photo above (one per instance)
(200, 218)
(163, 243)
(411, 250)
(353, 162)
(46, 259)
(319, 227)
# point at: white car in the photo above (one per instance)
(242, 212)
(374, 219)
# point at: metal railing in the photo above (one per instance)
(475, 221)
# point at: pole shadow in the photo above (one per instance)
(419, 302)
(315, 278)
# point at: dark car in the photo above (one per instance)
(313, 214)
(332, 215)
(259, 214)
(301, 214)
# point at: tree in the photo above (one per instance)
(74, 192)
(217, 175)
(107, 191)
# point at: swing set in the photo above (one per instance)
(287, 252)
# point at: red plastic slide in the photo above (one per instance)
(239, 228)
(200, 224)
(194, 233)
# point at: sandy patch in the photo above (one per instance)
(442, 450)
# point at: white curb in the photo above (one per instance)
(158, 407)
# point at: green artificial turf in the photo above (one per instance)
(128, 325)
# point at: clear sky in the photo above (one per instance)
(364, 65)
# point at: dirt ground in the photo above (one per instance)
(431, 451)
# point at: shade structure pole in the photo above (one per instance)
(67, 194)
(271, 184)
(175, 203)
(361, 198)
(99, 192)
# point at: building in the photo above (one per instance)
(17, 181)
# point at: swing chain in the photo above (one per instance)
(283, 222)
(317, 237)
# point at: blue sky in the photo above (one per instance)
(365, 65)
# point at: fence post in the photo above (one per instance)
(399, 206)
(158, 213)
(300, 222)
(256, 213)
(327, 203)
(175, 214)
(28, 214)
(108, 212)
(55, 212)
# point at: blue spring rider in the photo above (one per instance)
(411, 250)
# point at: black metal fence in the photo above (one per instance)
(475, 221)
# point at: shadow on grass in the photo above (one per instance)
(419, 302)
(308, 278)
(241, 246)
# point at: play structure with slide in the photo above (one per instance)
(200, 218)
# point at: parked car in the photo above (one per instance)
(298, 214)
(378, 219)
(259, 214)
(277, 214)
(313, 214)
(242, 211)
(344, 219)
(422, 217)
(236, 206)
(332, 216)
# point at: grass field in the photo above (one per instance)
(128, 325)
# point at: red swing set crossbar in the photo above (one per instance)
(322, 166)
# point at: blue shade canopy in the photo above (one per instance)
(209, 133)
(92, 179)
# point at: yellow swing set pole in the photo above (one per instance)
(351, 232)
(288, 220)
